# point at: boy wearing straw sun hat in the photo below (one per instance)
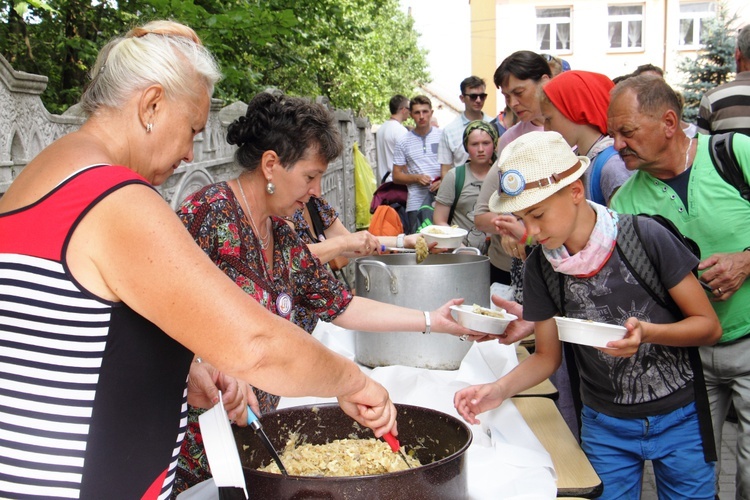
(638, 392)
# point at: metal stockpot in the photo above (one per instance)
(398, 279)
(438, 440)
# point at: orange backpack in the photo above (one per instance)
(385, 222)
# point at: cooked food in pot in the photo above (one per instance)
(341, 457)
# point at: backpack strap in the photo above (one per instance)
(556, 287)
(633, 255)
(460, 176)
(317, 222)
(725, 162)
(555, 281)
(595, 180)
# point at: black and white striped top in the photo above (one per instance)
(92, 395)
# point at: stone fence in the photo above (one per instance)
(26, 127)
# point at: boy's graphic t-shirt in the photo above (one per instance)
(657, 379)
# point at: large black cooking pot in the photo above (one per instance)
(439, 441)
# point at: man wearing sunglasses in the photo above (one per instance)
(451, 152)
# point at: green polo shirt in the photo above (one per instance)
(716, 218)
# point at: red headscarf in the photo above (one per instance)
(581, 96)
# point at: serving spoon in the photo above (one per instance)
(395, 447)
(254, 423)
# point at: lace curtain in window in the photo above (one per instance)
(542, 36)
(625, 26)
(634, 33)
(563, 36)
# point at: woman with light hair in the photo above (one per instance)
(106, 299)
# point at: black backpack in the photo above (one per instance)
(633, 254)
(725, 161)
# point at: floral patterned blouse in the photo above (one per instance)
(217, 222)
(301, 289)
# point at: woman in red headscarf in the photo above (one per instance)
(575, 103)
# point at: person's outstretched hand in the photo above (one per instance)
(475, 399)
(443, 322)
(516, 330)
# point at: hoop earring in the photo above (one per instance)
(270, 187)
(149, 127)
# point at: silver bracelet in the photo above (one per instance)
(400, 240)
(426, 323)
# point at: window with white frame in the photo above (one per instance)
(693, 17)
(625, 26)
(553, 29)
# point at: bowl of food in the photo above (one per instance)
(483, 319)
(587, 332)
(445, 236)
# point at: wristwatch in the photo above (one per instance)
(400, 240)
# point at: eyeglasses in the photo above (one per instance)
(476, 97)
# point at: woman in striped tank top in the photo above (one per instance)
(105, 299)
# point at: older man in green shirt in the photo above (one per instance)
(676, 178)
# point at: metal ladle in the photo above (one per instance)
(254, 423)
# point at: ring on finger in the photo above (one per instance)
(463, 338)
(719, 290)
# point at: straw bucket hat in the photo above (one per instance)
(532, 168)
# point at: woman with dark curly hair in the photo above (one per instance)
(285, 146)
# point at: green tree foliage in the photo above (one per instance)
(357, 53)
(714, 64)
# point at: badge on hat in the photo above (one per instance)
(512, 183)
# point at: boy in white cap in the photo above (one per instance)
(637, 393)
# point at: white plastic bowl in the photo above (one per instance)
(221, 449)
(585, 332)
(445, 236)
(482, 323)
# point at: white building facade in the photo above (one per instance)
(612, 37)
